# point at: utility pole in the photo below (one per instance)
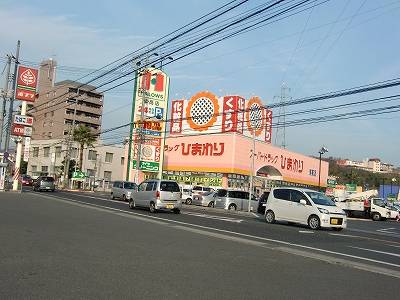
(11, 108)
(280, 135)
(252, 168)
(4, 96)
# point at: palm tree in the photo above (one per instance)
(84, 136)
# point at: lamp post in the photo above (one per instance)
(391, 185)
(321, 151)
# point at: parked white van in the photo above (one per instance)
(304, 206)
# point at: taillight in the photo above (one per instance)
(158, 194)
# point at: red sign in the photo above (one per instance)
(21, 130)
(176, 117)
(240, 116)
(26, 84)
(229, 114)
(268, 125)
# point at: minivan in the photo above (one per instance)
(44, 183)
(157, 194)
(122, 190)
(304, 206)
(234, 200)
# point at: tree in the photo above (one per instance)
(72, 164)
(84, 136)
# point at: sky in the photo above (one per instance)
(338, 45)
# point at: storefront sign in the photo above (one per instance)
(331, 183)
(176, 116)
(196, 149)
(268, 125)
(230, 114)
(211, 181)
(351, 187)
(20, 130)
(26, 148)
(147, 166)
(23, 120)
(255, 116)
(26, 84)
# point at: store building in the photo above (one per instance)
(220, 141)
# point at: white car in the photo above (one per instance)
(304, 206)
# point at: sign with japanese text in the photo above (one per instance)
(268, 125)
(23, 120)
(176, 116)
(26, 148)
(21, 130)
(230, 114)
(201, 180)
(27, 79)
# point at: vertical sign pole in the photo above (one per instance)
(5, 93)
(19, 153)
(140, 127)
(252, 168)
(164, 132)
(128, 165)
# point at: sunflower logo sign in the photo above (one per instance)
(26, 84)
(202, 111)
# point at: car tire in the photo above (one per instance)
(232, 207)
(376, 216)
(270, 217)
(314, 222)
(337, 228)
(176, 211)
(152, 207)
(348, 213)
(112, 196)
(188, 201)
(211, 204)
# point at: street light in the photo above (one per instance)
(321, 151)
(391, 185)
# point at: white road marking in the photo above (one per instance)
(254, 214)
(213, 217)
(377, 251)
(392, 246)
(306, 231)
(67, 200)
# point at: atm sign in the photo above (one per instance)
(23, 120)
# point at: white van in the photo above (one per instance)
(304, 206)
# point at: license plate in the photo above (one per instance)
(170, 206)
(334, 221)
(47, 187)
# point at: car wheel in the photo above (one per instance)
(337, 229)
(232, 207)
(314, 222)
(131, 204)
(376, 216)
(176, 211)
(188, 201)
(211, 204)
(124, 198)
(112, 196)
(270, 217)
(152, 207)
(348, 213)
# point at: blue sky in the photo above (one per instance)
(338, 45)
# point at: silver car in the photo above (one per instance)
(157, 194)
(235, 200)
(44, 183)
(122, 190)
(205, 199)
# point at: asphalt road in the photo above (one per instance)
(73, 246)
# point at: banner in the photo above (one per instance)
(26, 148)
(26, 84)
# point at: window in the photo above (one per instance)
(50, 134)
(107, 175)
(35, 151)
(320, 199)
(92, 155)
(58, 152)
(122, 161)
(150, 186)
(296, 196)
(115, 184)
(46, 151)
(169, 186)
(74, 152)
(129, 185)
(142, 187)
(91, 172)
(45, 169)
(282, 194)
(109, 157)
(52, 113)
(221, 193)
(34, 168)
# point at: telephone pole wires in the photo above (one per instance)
(5, 95)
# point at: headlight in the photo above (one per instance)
(323, 210)
(128, 194)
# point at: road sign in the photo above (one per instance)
(78, 175)
(23, 120)
(21, 130)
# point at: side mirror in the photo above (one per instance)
(304, 202)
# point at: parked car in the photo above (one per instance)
(205, 199)
(262, 202)
(157, 194)
(186, 195)
(234, 200)
(44, 183)
(304, 206)
(197, 189)
(122, 190)
(26, 180)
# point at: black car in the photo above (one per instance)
(44, 183)
(261, 203)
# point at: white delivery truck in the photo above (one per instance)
(374, 208)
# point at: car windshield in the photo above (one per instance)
(130, 185)
(320, 199)
(379, 202)
(48, 179)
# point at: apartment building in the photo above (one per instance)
(60, 104)
(100, 162)
(372, 165)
